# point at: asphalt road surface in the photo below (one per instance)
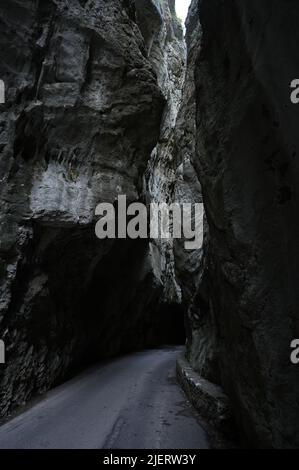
(132, 402)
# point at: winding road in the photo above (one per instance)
(132, 402)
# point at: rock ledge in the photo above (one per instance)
(208, 398)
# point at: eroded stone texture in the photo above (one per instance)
(82, 116)
(187, 188)
(95, 108)
(168, 56)
(247, 162)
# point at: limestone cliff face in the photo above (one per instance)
(187, 188)
(247, 146)
(103, 99)
(168, 55)
(83, 113)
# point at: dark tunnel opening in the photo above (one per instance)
(123, 303)
(91, 300)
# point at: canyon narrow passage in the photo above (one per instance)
(130, 402)
(109, 109)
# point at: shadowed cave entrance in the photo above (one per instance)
(80, 301)
(124, 301)
(101, 300)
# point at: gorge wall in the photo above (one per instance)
(84, 107)
(104, 97)
(245, 312)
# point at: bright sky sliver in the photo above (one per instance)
(182, 7)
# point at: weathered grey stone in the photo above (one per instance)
(245, 312)
(187, 187)
(208, 398)
(168, 56)
(102, 99)
(82, 116)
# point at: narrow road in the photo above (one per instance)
(132, 402)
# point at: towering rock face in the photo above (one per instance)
(168, 55)
(247, 162)
(82, 116)
(99, 103)
(187, 188)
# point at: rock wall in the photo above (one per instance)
(247, 163)
(187, 188)
(102, 100)
(168, 55)
(83, 113)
